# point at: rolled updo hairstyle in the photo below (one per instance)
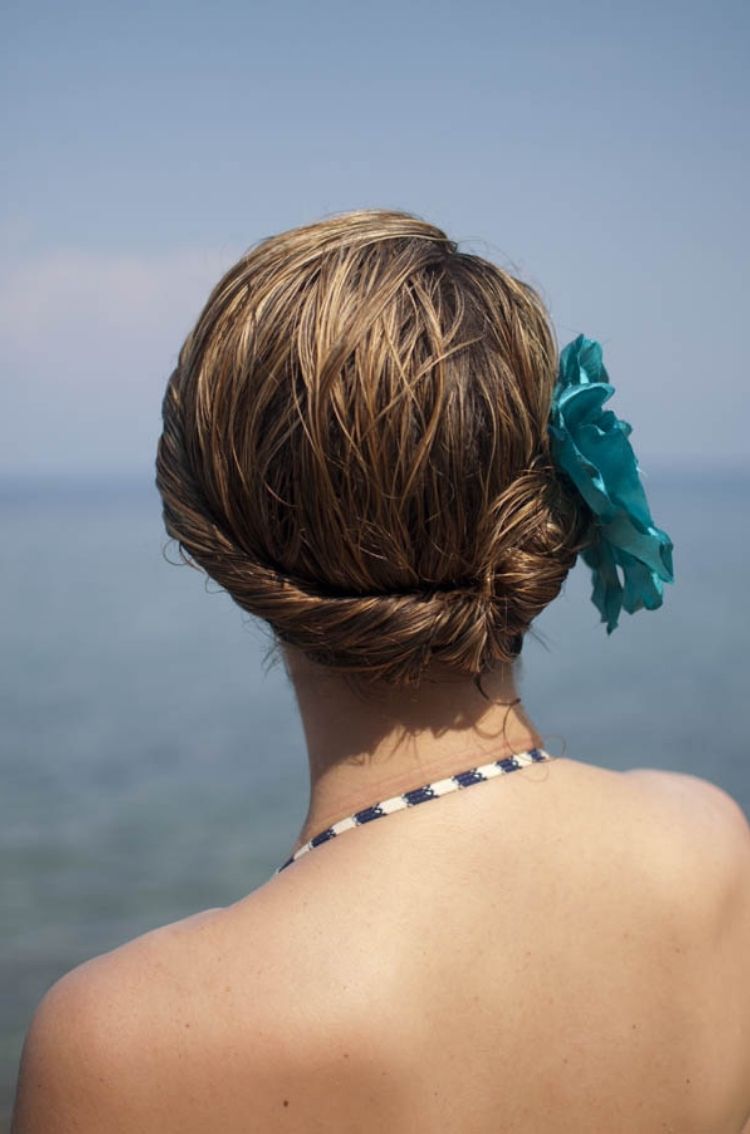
(355, 447)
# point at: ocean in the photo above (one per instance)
(152, 761)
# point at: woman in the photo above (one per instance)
(368, 444)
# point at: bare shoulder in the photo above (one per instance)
(194, 1026)
(668, 856)
(693, 792)
(690, 838)
(147, 1036)
(704, 843)
(678, 824)
(674, 806)
(703, 823)
(68, 1078)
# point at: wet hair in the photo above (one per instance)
(355, 448)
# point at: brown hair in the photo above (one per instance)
(355, 447)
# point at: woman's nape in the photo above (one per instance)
(364, 746)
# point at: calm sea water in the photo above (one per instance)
(152, 766)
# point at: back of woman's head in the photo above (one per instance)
(355, 447)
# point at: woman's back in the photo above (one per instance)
(559, 950)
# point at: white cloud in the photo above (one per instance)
(73, 299)
(87, 341)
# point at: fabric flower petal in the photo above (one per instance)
(590, 446)
(607, 592)
(643, 588)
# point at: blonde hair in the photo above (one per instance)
(355, 447)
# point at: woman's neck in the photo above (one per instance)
(363, 749)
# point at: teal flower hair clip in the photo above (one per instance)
(590, 446)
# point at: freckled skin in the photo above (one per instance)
(536, 956)
(576, 974)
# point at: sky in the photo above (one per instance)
(600, 151)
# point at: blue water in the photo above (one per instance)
(152, 765)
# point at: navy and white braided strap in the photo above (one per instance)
(478, 775)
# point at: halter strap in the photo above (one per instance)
(476, 775)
